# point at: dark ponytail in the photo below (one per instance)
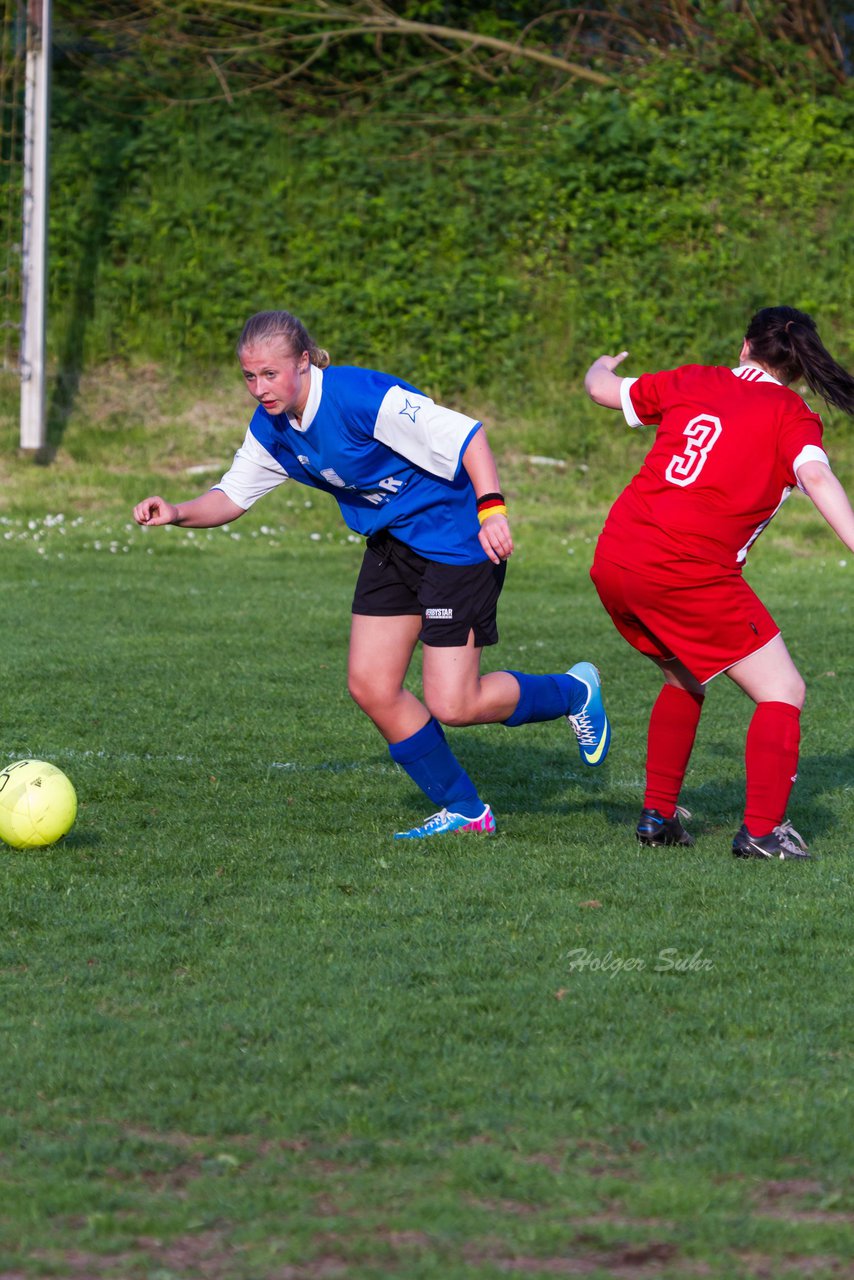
(786, 342)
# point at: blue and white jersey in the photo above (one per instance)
(390, 457)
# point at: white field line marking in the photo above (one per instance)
(630, 785)
(149, 757)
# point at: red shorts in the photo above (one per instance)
(707, 624)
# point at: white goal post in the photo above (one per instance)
(34, 227)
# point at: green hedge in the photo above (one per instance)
(459, 254)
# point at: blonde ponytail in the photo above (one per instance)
(281, 326)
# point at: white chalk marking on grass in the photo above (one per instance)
(147, 757)
(629, 786)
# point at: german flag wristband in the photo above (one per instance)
(491, 504)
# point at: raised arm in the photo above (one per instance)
(830, 499)
(206, 511)
(601, 383)
(479, 465)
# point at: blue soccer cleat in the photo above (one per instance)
(443, 823)
(590, 725)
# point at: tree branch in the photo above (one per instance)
(384, 22)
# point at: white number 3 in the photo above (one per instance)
(702, 432)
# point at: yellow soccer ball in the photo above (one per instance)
(38, 804)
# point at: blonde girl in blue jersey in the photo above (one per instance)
(419, 482)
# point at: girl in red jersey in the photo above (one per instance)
(729, 447)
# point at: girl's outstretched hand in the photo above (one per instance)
(601, 383)
(610, 362)
(155, 511)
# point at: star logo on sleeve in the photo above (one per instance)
(409, 410)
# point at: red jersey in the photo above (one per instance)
(727, 447)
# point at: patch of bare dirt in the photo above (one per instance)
(204, 1256)
(813, 1266)
(789, 1199)
(622, 1262)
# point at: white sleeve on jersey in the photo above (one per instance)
(423, 432)
(809, 453)
(629, 413)
(253, 473)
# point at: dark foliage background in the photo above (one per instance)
(455, 212)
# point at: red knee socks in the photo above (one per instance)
(672, 729)
(771, 764)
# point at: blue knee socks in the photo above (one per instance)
(546, 698)
(432, 766)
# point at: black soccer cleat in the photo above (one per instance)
(655, 831)
(782, 842)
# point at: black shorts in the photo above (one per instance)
(453, 600)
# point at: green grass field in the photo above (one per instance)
(247, 1036)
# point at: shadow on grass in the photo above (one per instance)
(96, 220)
(79, 841)
(535, 779)
(812, 809)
